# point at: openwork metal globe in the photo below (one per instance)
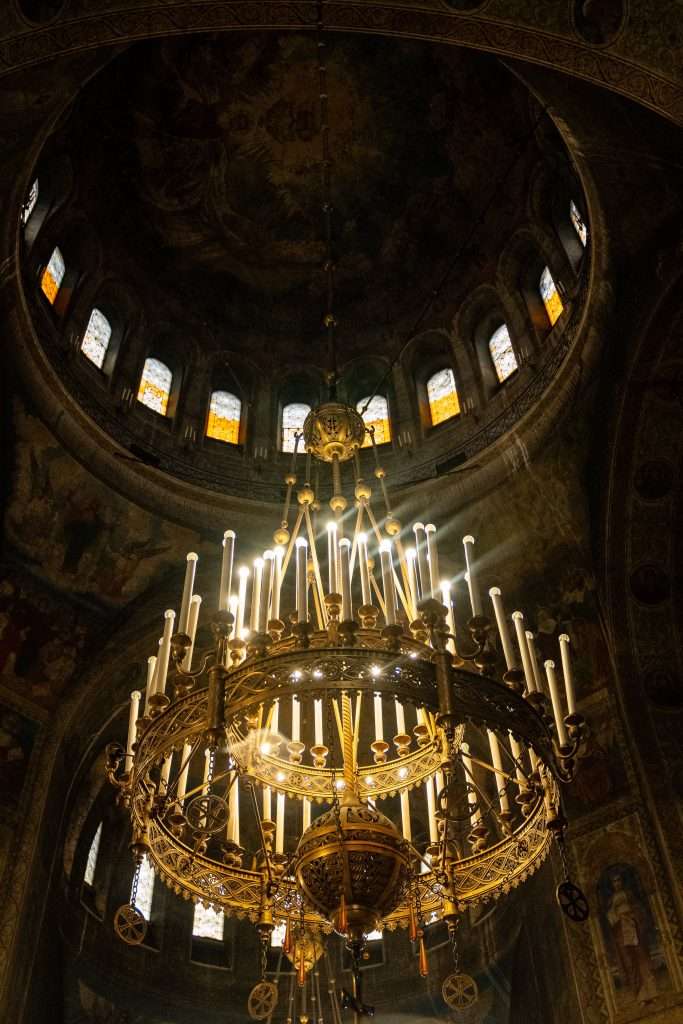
(352, 863)
(333, 431)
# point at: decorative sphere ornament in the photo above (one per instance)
(333, 430)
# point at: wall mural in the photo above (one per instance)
(630, 935)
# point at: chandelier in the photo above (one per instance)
(340, 759)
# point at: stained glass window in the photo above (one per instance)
(145, 896)
(550, 295)
(91, 863)
(29, 205)
(443, 396)
(96, 338)
(502, 353)
(293, 417)
(53, 275)
(208, 923)
(375, 416)
(579, 223)
(224, 417)
(155, 385)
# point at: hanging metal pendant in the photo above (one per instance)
(572, 902)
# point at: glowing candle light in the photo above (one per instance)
(497, 760)
(556, 702)
(280, 824)
(379, 723)
(164, 652)
(301, 579)
(225, 588)
(345, 573)
(388, 582)
(567, 673)
(503, 631)
(422, 567)
(256, 595)
(400, 719)
(267, 808)
(405, 816)
(296, 719)
(364, 569)
(190, 570)
(135, 698)
(433, 558)
(318, 715)
(266, 587)
(243, 573)
(332, 556)
(472, 582)
(518, 619)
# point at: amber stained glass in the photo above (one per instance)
(375, 417)
(53, 275)
(155, 385)
(224, 417)
(550, 295)
(442, 394)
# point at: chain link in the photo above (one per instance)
(134, 886)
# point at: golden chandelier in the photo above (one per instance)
(351, 765)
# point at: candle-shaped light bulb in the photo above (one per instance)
(164, 652)
(332, 557)
(302, 579)
(256, 595)
(388, 582)
(267, 804)
(192, 620)
(400, 719)
(366, 592)
(190, 569)
(280, 824)
(531, 647)
(567, 673)
(225, 588)
(277, 581)
(296, 719)
(345, 573)
(318, 723)
(379, 721)
(423, 584)
(132, 729)
(405, 816)
(151, 673)
(497, 760)
(472, 581)
(556, 702)
(411, 559)
(518, 619)
(503, 631)
(433, 558)
(243, 573)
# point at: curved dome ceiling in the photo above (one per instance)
(198, 162)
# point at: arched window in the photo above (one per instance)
(376, 416)
(550, 295)
(29, 205)
(208, 923)
(96, 339)
(91, 863)
(224, 417)
(155, 385)
(53, 275)
(145, 896)
(578, 222)
(442, 395)
(293, 416)
(502, 353)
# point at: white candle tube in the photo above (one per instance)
(518, 752)
(277, 581)
(388, 582)
(133, 712)
(165, 773)
(267, 807)
(256, 595)
(345, 574)
(164, 652)
(280, 824)
(151, 672)
(184, 769)
(318, 716)
(503, 631)
(470, 576)
(450, 621)
(472, 796)
(302, 579)
(405, 816)
(567, 673)
(411, 556)
(307, 813)
(192, 620)
(243, 573)
(556, 702)
(266, 589)
(379, 723)
(190, 570)
(518, 619)
(433, 558)
(296, 719)
(364, 570)
(422, 567)
(431, 811)
(497, 760)
(531, 646)
(400, 719)
(332, 557)
(234, 809)
(225, 588)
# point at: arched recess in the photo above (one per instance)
(54, 175)
(360, 379)
(423, 357)
(232, 375)
(550, 199)
(170, 346)
(482, 312)
(82, 256)
(520, 267)
(307, 387)
(121, 309)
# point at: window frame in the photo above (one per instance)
(225, 445)
(434, 372)
(511, 375)
(284, 407)
(173, 392)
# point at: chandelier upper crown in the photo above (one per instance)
(333, 431)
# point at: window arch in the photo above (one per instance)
(578, 223)
(208, 923)
(225, 411)
(145, 894)
(29, 206)
(293, 416)
(502, 353)
(155, 385)
(442, 396)
(376, 416)
(53, 275)
(91, 863)
(96, 338)
(550, 296)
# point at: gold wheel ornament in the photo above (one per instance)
(459, 991)
(262, 1000)
(130, 925)
(208, 813)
